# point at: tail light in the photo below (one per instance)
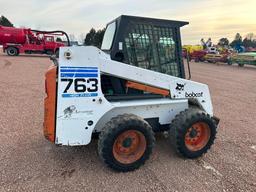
(50, 103)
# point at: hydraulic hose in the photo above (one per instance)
(51, 32)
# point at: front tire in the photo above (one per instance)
(197, 60)
(126, 142)
(229, 62)
(12, 51)
(195, 132)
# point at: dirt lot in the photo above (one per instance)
(28, 162)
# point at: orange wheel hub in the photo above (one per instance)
(129, 146)
(197, 136)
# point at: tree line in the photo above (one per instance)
(5, 22)
(248, 41)
(94, 37)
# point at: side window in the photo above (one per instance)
(152, 47)
(167, 51)
(49, 39)
(139, 45)
(109, 36)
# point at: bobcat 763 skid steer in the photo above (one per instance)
(134, 86)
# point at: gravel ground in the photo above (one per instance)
(28, 162)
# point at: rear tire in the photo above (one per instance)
(57, 53)
(12, 51)
(49, 52)
(126, 142)
(194, 132)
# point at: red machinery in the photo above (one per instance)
(22, 40)
(197, 55)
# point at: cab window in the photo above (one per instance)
(109, 36)
(152, 47)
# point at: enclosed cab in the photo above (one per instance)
(153, 44)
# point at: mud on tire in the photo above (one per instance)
(126, 142)
(194, 132)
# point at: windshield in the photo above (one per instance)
(109, 36)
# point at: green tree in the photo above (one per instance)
(5, 22)
(249, 40)
(58, 39)
(89, 38)
(94, 37)
(237, 41)
(250, 36)
(254, 43)
(99, 37)
(223, 42)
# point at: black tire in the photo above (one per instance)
(12, 51)
(197, 60)
(49, 52)
(229, 62)
(240, 64)
(183, 122)
(95, 135)
(202, 59)
(57, 53)
(109, 136)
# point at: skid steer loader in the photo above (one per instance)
(130, 88)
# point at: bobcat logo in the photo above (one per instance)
(180, 87)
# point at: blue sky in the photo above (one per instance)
(208, 18)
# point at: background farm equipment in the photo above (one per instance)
(22, 40)
(251, 49)
(241, 59)
(214, 58)
(193, 52)
(206, 52)
(198, 52)
(198, 56)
